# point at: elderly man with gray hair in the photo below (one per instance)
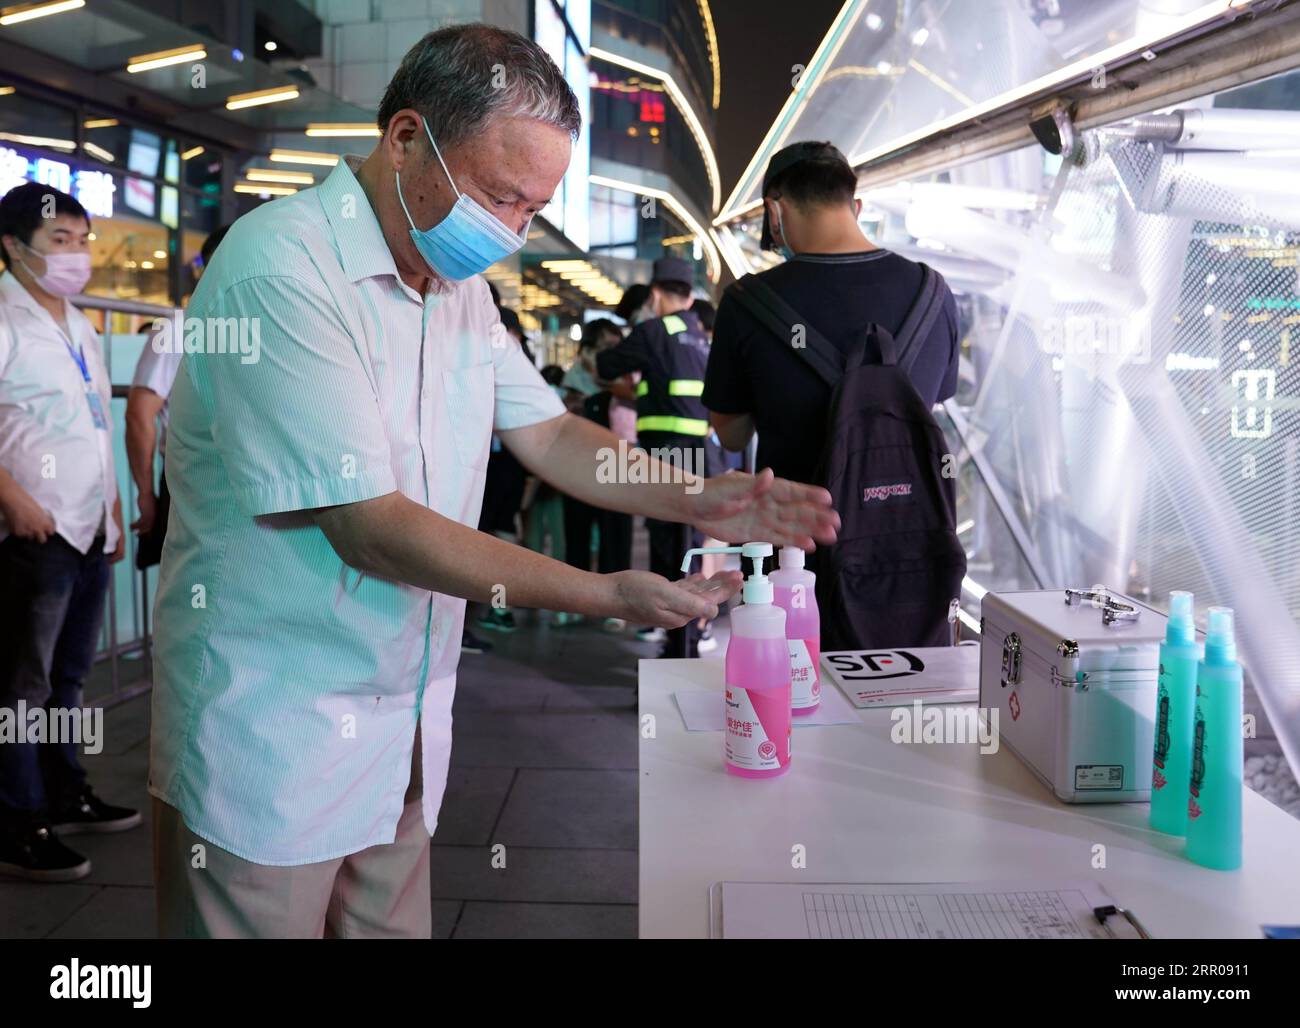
(322, 544)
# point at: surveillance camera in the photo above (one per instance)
(1055, 131)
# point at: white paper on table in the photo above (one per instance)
(939, 910)
(703, 710)
(892, 678)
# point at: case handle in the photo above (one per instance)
(1112, 610)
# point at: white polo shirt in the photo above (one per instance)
(287, 684)
(48, 439)
(156, 371)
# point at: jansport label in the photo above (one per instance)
(805, 678)
(749, 745)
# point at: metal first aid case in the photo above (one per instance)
(1072, 674)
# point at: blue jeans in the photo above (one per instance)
(51, 608)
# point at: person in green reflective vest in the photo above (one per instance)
(671, 351)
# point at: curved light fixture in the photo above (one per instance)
(98, 152)
(711, 37)
(53, 144)
(712, 257)
(682, 104)
(292, 178)
(327, 129)
(26, 12)
(274, 95)
(264, 189)
(166, 58)
(324, 160)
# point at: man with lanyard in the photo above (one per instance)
(60, 527)
(671, 351)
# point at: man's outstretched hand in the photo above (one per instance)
(646, 599)
(763, 508)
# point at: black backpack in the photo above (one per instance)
(893, 575)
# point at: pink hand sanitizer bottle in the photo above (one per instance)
(757, 675)
(796, 594)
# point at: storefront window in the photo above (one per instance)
(105, 139)
(201, 168)
(26, 122)
(130, 256)
(152, 198)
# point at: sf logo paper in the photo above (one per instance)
(877, 665)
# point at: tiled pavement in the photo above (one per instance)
(543, 762)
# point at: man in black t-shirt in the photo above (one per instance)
(841, 284)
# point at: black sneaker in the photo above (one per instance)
(472, 644)
(38, 856)
(88, 813)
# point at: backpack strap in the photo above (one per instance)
(771, 311)
(916, 327)
(778, 317)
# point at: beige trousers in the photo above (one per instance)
(379, 892)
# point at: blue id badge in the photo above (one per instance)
(97, 409)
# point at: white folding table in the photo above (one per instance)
(865, 809)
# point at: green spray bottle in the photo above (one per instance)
(1214, 806)
(1171, 764)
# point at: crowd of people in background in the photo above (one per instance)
(522, 508)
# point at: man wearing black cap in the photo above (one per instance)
(841, 284)
(671, 351)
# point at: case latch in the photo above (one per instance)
(1112, 610)
(1010, 659)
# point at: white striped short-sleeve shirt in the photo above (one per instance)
(288, 684)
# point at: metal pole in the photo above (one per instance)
(683, 644)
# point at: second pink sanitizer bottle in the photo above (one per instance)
(795, 592)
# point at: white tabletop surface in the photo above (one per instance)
(868, 810)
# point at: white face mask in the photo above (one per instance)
(66, 274)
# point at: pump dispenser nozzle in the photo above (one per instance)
(757, 587)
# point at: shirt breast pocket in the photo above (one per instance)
(470, 394)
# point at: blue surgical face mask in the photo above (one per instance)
(784, 249)
(469, 240)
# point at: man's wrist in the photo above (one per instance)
(689, 498)
(606, 598)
